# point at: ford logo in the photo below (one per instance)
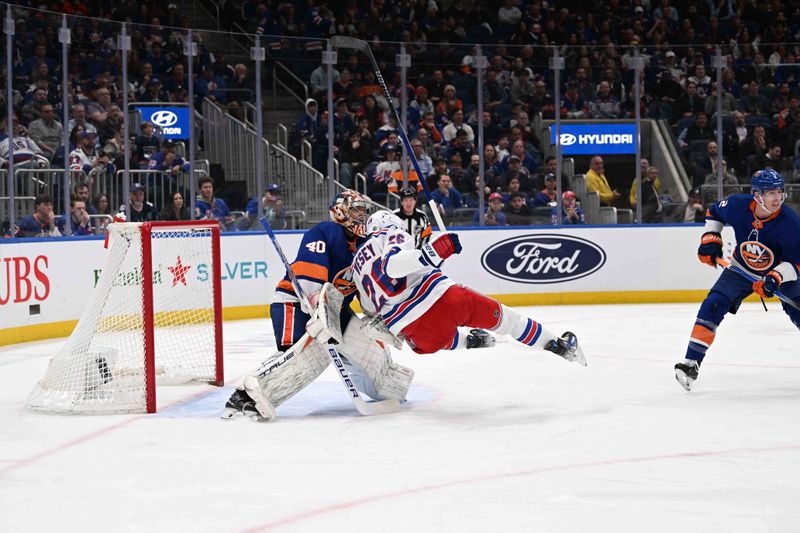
(543, 258)
(163, 118)
(568, 139)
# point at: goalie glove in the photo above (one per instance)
(325, 324)
(435, 252)
(766, 288)
(710, 248)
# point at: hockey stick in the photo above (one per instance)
(721, 262)
(364, 407)
(342, 41)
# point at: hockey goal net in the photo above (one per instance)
(154, 317)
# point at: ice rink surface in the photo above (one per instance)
(500, 439)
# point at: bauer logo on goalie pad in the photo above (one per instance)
(543, 258)
(756, 256)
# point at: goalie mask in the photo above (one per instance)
(349, 209)
(383, 219)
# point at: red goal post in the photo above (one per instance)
(147, 273)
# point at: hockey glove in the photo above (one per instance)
(439, 249)
(324, 325)
(770, 284)
(710, 248)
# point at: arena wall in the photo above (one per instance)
(45, 284)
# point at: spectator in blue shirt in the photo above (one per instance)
(548, 194)
(570, 212)
(42, 222)
(80, 223)
(273, 210)
(207, 207)
(446, 196)
(493, 213)
(209, 86)
(167, 160)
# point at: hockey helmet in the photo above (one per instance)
(350, 209)
(383, 219)
(408, 192)
(767, 180)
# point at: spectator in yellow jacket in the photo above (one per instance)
(596, 182)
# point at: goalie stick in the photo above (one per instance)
(343, 41)
(725, 264)
(364, 407)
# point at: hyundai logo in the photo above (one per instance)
(543, 258)
(164, 118)
(568, 139)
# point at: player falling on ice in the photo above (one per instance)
(422, 306)
(323, 269)
(768, 245)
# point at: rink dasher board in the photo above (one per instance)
(45, 283)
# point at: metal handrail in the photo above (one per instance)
(306, 151)
(104, 221)
(295, 77)
(250, 108)
(282, 135)
(18, 198)
(392, 201)
(360, 178)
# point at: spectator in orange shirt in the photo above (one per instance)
(396, 183)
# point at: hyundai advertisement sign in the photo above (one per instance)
(173, 121)
(592, 139)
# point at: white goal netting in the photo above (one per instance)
(103, 365)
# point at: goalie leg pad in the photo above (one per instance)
(283, 375)
(371, 367)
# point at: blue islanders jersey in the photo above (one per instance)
(761, 244)
(325, 254)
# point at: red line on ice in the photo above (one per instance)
(336, 507)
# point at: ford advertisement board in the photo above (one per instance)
(173, 121)
(543, 258)
(592, 139)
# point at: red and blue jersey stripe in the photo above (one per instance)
(420, 293)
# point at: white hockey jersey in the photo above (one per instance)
(393, 280)
(24, 149)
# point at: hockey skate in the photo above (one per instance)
(686, 373)
(240, 403)
(479, 338)
(567, 347)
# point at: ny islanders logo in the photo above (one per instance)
(756, 256)
(343, 280)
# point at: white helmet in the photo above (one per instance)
(383, 219)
